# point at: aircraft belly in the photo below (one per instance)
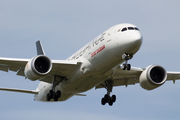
(84, 84)
(88, 83)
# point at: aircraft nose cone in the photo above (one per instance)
(136, 39)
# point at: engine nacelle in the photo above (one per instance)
(38, 67)
(152, 77)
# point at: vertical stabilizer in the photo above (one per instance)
(39, 47)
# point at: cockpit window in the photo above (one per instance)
(124, 29)
(130, 28)
(136, 28)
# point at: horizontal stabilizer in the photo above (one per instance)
(77, 94)
(20, 90)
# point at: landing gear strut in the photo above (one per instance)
(52, 94)
(127, 57)
(107, 98)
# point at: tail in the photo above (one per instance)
(39, 48)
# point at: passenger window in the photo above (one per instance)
(130, 28)
(124, 29)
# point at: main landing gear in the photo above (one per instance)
(107, 98)
(52, 94)
(127, 57)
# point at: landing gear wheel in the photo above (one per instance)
(51, 94)
(126, 57)
(103, 101)
(106, 97)
(128, 67)
(113, 98)
(110, 103)
(124, 66)
(47, 97)
(55, 98)
(58, 93)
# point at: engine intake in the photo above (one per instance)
(38, 67)
(42, 64)
(152, 77)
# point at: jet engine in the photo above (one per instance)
(38, 67)
(152, 77)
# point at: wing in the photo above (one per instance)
(125, 78)
(173, 76)
(13, 64)
(60, 67)
(63, 68)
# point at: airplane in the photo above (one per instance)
(102, 63)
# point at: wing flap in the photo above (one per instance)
(13, 64)
(13, 68)
(123, 77)
(64, 67)
(20, 72)
(4, 68)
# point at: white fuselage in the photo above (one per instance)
(99, 59)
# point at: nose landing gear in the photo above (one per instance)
(127, 57)
(126, 66)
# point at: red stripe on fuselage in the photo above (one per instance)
(97, 51)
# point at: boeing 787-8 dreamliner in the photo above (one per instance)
(102, 63)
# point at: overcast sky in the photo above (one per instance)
(64, 26)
